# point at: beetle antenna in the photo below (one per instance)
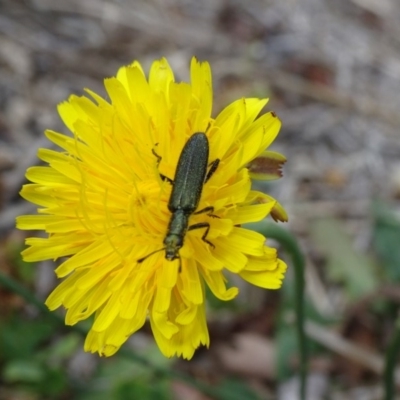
(148, 255)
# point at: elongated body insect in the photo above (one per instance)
(190, 176)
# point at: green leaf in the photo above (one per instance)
(344, 264)
(231, 389)
(19, 338)
(63, 348)
(156, 390)
(55, 383)
(120, 378)
(23, 371)
(386, 239)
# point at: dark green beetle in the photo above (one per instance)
(190, 176)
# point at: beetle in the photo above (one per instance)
(190, 176)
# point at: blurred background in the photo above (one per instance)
(332, 72)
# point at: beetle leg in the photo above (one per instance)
(165, 178)
(201, 225)
(207, 210)
(159, 158)
(213, 167)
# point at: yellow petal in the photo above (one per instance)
(270, 279)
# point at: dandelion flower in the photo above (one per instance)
(103, 204)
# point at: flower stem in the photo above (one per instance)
(289, 243)
(392, 354)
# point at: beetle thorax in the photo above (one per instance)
(176, 232)
(172, 245)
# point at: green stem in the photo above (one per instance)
(289, 243)
(392, 355)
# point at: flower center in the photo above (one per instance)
(146, 204)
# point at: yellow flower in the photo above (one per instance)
(104, 205)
